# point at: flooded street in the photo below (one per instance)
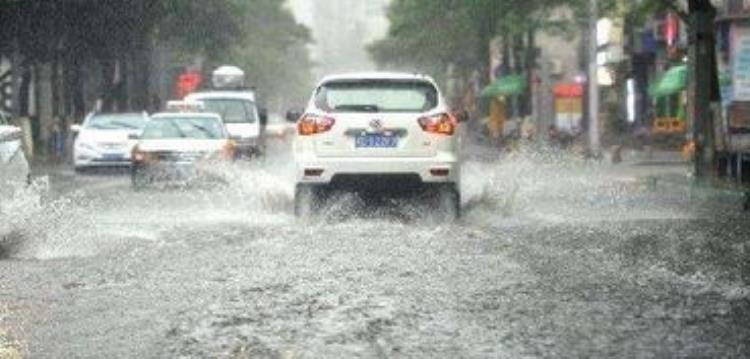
(560, 259)
(292, 179)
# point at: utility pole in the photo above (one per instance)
(593, 80)
(702, 72)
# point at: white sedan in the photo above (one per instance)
(103, 139)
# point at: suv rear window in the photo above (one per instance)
(198, 128)
(376, 96)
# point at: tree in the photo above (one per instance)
(272, 49)
(436, 32)
(86, 50)
(435, 35)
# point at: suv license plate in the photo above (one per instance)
(113, 157)
(376, 141)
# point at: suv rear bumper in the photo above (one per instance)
(444, 168)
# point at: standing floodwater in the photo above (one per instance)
(295, 179)
(553, 252)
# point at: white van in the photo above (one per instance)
(237, 106)
(240, 114)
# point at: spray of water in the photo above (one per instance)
(38, 226)
(531, 187)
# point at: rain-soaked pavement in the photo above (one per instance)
(555, 258)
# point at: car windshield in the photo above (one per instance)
(232, 110)
(376, 96)
(198, 128)
(116, 122)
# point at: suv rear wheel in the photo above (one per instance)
(448, 202)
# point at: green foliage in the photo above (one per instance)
(430, 34)
(259, 35)
(200, 26)
(427, 35)
(271, 48)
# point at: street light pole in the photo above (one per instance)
(593, 81)
(703, 83)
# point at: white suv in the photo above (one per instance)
(377, 131)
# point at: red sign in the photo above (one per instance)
(187, 83)
(568, 90)
(671, 29)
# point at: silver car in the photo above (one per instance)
(14, 168)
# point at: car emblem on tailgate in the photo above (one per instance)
(376, 124)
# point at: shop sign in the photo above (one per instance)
(741, 63)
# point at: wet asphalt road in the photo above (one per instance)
(554, 259)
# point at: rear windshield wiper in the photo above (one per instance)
(358, 108)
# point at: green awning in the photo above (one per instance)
(673, 81)
(506, 86)
(725, 79)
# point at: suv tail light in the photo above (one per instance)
(443, 124)
(312, 124)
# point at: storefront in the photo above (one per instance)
(669, 97)
(568, 109)
(499, 93)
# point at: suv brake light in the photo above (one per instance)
(443, 124)
(312, 124)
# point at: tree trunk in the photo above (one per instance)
(531, 58)
(16, 67)
(44, 103)
(75, 105)
(106, 87)
(519, 67)
(486, 32)
(24, 87)
(122, 94)
(57, 88)
(140, 74)
(505, 66)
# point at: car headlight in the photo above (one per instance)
(85, 146)
(138, 156)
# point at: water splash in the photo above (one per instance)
(37, 226)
